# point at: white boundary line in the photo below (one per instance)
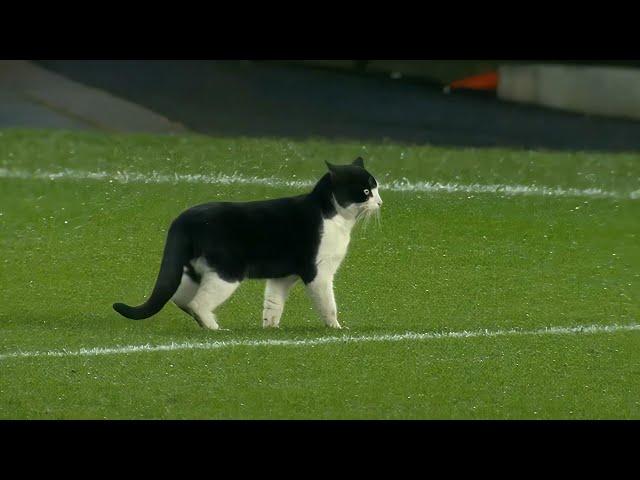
(346, 339)
(403, 185)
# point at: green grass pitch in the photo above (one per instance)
(439, 262)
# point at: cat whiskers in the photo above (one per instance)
(365, 214)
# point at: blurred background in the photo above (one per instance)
(543, 104)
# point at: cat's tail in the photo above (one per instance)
(177, 253)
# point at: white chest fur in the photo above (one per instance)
(336, 234)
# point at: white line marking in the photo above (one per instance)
(403, 185)
(346, 339)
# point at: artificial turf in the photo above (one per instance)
(437, 262)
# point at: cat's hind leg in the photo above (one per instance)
(212, 293)
(275, 294)
(185, 293)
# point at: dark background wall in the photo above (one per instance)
(290, 99)
(442, 71)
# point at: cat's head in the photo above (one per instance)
(354, 188)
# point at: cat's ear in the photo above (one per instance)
(332, 168)
(358, 162)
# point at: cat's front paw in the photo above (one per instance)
(335, 325)
(270, 323)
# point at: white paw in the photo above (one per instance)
(209, 322)
(270, 322)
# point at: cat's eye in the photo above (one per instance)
(366, 191)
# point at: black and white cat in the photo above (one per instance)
(211, 248)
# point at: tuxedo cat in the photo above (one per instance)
(211, 248)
